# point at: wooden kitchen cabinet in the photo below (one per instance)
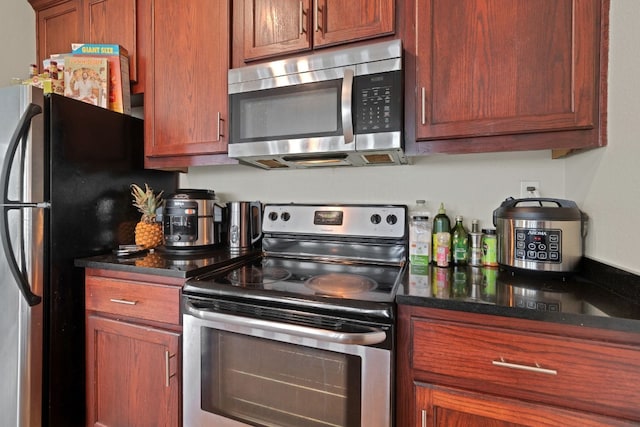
(185, 107)
(133, 349)
(501, 75)
(58, 24)
(457, 367)
(113, 22)
(268, 28)
(444, 407)
(61, 23)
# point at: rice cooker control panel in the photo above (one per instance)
(542, 245)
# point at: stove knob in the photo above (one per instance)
(273, 216)
(392, 219)
(376, 219)
(286, 216)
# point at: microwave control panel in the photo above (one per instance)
(542, 245)
(378, 102)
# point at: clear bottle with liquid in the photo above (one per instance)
(459, 243)
(442, 225)
(419, 234)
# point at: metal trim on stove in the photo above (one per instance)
(375, 336)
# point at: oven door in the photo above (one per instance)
(242, 371)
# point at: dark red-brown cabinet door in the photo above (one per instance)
(133, 374)
(499, 67)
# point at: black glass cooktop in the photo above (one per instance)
(321, 281)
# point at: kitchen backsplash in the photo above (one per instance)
(470, 185)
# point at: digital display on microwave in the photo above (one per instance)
(378, 102)
(327, 217)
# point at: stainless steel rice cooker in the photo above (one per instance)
(540, 234)
(192, 219)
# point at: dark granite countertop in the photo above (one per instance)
(596, 296)
(184, 264)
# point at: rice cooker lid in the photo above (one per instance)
(193, 194)
(538, 209)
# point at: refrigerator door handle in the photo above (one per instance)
(20, 134)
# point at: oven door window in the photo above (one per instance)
(290, 112)
(266, 382)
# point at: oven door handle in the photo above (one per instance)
(374, 336)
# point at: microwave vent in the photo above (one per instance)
(271, 163)
(378, 159)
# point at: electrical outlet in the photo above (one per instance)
(529, 189)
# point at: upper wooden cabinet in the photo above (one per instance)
(58, 24)
(63, 22)
(185, 106)
(112, 21)
(498, 75)
(268, 28)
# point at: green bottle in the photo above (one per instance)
(441, 224)
(459, 243)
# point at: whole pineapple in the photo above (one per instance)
(148, 230)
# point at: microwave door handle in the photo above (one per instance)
(346, 104)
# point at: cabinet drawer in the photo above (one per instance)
(578, 373)
(146, 301)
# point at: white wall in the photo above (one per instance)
(605, 182)
(18, 35)
(469, 185)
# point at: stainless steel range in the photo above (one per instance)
(302, 333)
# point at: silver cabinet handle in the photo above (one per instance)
(219, 126)
(301, 17)
(123, 301)
(424, 101)
(374, 336)
(345, 101)
(423, 413)
(529, 368)
(167, 366)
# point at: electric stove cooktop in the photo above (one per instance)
(303, 279)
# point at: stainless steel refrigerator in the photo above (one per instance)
(64, 194)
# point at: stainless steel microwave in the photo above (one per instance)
(338, 108)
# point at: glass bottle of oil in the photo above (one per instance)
(459, 243)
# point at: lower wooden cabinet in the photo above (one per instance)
(469, 369)
(133, 350)
(444, 407)
(134, 374)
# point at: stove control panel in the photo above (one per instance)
(386, 221)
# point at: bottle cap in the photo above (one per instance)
(459, 218)
(441, 210)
